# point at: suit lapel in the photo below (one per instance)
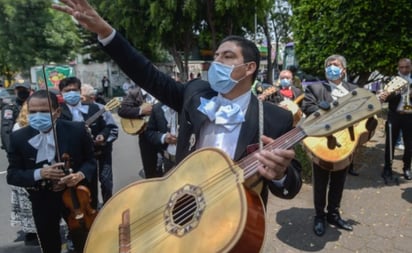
(66, 114)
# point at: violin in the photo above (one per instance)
(77, 199)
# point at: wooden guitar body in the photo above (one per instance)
(339, 156)
(133, 126)
(200, 206)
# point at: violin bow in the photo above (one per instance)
(51, 115)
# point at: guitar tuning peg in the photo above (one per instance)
(324, 105)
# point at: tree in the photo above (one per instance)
(276, 28)
(371, 34)
(32, 34)
(179, 26)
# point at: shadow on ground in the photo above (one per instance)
(297, 233)
(407, 194)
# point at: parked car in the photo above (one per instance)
(7, 96)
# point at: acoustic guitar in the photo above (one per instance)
(335, 152)
(109, 106)
(203, 205)
(134, 126)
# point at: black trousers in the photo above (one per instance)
(322, 180)
(398, 122)
(148, 153)
(105, 171)
(48, 209)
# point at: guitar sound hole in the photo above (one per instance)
(184, 209)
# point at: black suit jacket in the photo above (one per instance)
(73, 139)
(157, 126)
(97, 127)
(185, 98)
(318, 92)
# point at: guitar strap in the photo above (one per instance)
(255, 182)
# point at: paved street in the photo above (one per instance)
(381, 215)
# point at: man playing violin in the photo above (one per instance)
(34, 163)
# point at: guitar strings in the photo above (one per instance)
(158, 230)
(149, 220)
(206, 184)
(286, 141)
(142, 225)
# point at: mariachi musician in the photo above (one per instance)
(285, 94)
(283, 90)
(34, 164)
(138, 105)
(335, 87)
(399, 121)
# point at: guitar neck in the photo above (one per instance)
(249, 164)
(93, 118)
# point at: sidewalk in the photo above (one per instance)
(381, 215)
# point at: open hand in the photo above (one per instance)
(87, 17)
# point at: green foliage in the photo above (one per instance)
(178, 26)
(32, 34)
(305, 162)
(371, 34)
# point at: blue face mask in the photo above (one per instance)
(72, 97)
(285, 83)
(333, 73)
(40, 121)
(219, 76)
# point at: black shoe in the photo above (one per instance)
(30, 239)
(407, 174)
(319, 226)
(336, 220)
(352, 172)
(386, 175)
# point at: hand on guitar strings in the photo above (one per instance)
(146, 109)
(274, 163)
(382, 96)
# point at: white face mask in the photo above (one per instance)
(219, 76)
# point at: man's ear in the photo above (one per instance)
(251, 68)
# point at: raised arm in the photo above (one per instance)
(86, 15)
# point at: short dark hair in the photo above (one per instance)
(249, 51)
(41, 94)
(68, 81)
